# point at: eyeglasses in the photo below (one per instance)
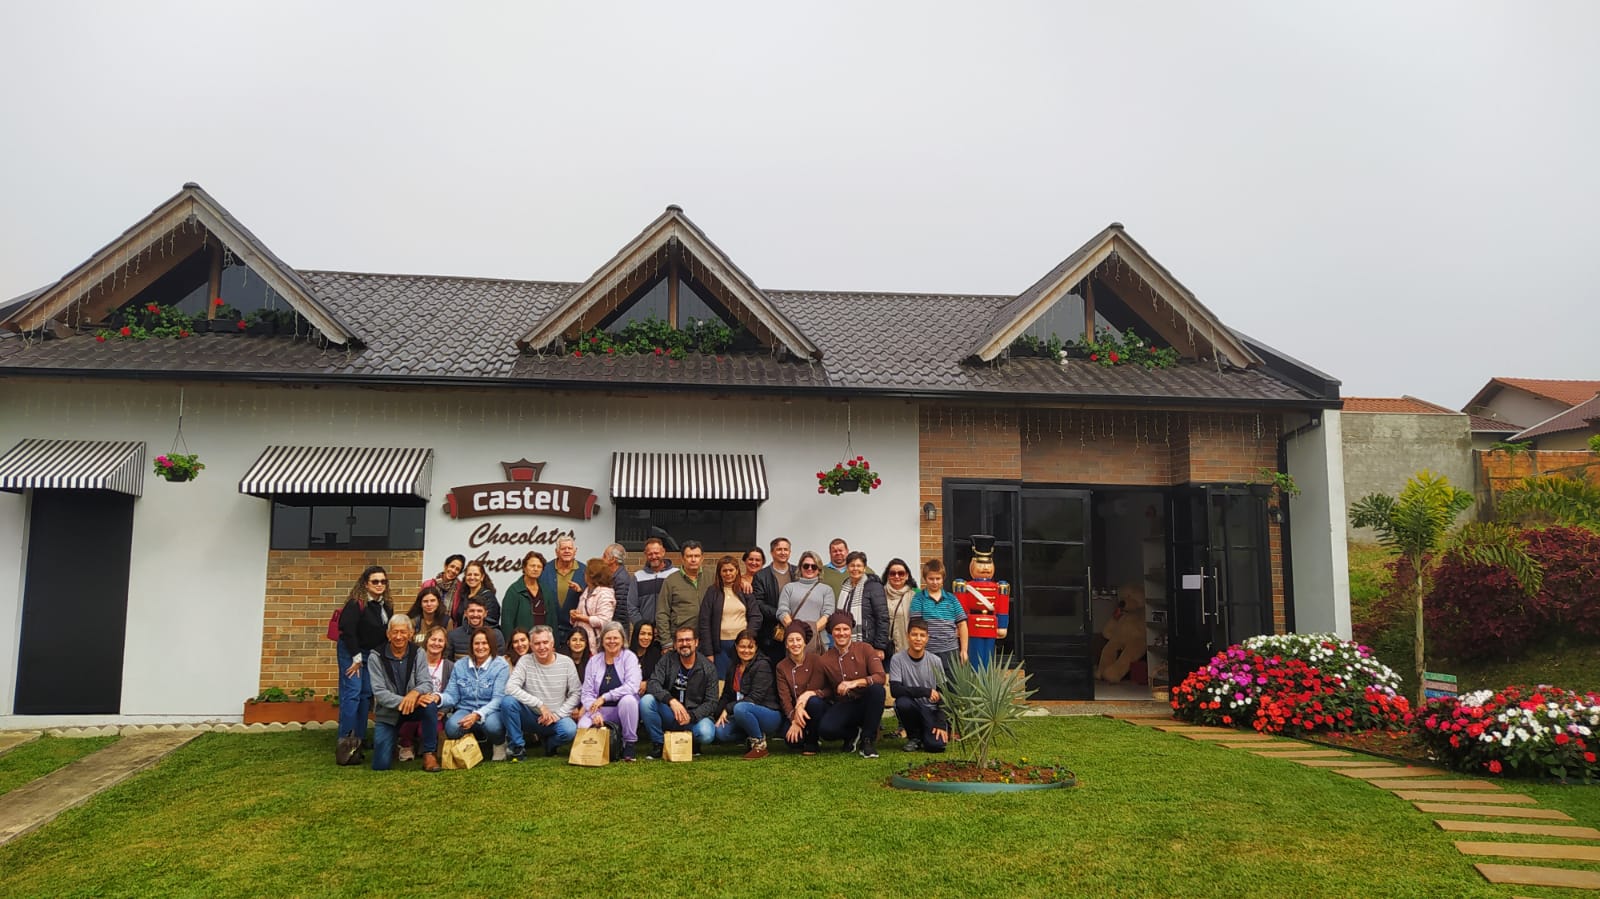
(377, 580)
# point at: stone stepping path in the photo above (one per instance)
(1450, 808)
(14, 738)
(1537, 830)
(36, 804)
(1479, 798)
(1563, 851)
(1436, 791)
(1537, 876)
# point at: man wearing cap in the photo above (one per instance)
(986, 601)
(853, 676)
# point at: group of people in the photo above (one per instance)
(807, 651)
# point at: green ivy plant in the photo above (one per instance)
(279, 694)
(1108, 347)
(653, 336)
(1283, 483)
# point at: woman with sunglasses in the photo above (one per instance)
(363, 627)
(807, 598)
(898, 589)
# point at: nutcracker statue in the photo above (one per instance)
(986, 601)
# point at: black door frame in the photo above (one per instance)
(1201, 521)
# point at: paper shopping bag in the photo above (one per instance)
(679, 746)
(591, 748)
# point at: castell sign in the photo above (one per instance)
(520, 494)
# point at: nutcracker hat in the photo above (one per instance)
(983, 547)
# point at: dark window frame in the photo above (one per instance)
(412, 510)
(711, 535)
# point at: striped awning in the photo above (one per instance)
(74, 465)
(360, 470)
(737, 477)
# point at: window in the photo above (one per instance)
(653, 304)
(718, 526)
(354, 523)
(187, 285)
(1064, 320)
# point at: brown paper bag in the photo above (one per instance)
(460, 754)
(679, 746)
(591, 748)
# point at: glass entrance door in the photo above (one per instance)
(1221, 572)
(1042, 549)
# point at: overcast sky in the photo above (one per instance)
(1405, 195)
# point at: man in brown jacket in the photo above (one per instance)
(854, 677)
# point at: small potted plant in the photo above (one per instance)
(849, 476)
(275, 704)
(178, 467)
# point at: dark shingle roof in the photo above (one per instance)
(442, 329)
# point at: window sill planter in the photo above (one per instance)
(307, 712)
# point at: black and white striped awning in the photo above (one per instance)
(359, 470)
(737, 477)
(74, 465)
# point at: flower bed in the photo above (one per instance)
(1294, 684)
(1539, 732)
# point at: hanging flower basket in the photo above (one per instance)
(849, 476)
(179, 467)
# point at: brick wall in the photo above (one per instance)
(304, 587)
(958, 442)
(1099, 447)
(1499, 471)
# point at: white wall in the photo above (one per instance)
(1317, 516)
(199, 549)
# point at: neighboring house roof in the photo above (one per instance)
(1404, 405)
(1581, 417)
(417, 329)
(1570, 393)
(171, 231)
(1482, 425)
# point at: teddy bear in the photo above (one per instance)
(1125, 633)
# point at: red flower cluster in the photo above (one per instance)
(1277, 695)
(1544, 732)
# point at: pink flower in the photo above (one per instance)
(162, 460)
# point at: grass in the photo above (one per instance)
(34, 760)
(1154, 814)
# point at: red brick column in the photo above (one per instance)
(962, 442)
(304, 587)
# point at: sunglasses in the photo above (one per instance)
(899, 574)
(808, 567)
(377, 580)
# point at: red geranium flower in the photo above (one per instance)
(610, 350)
(240, 325)
(658, 351)
(217, 301)
(1562, 739)
(126, 331)
(865, 464)
(1588, 757)
(1115, 358)
(100, 338)
(822, 490)
(578, 353)
(152, 307)
(1494, 766)
(1094, 357)
(182, 333)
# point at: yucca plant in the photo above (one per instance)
(984, 702)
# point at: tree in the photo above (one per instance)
(1570, 502)
(1419, 525)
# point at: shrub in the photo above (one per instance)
(985, 702)
(1546, 731)
(1477, 612)
(1381, 614)
(1297, 683)
(1571, 593)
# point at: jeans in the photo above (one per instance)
(657, 718)
(816, 707)
(492, 726)
(861, 713)
(383, 737)
(751, 721)
(520, 720)
(624, 713)
(919, 717)
(724, 660)
(355, 697)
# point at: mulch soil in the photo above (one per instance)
(997, 772)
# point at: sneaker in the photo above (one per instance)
(656, 750)
(758, 750)
(851, 744)
(550, 748)
(499, 754)
(627, 753)
(912, 746)
(868, 751)
(516, 755)
(407, 753)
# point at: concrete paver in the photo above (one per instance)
(33, 805)
(1536, 876)
(1373, 772)
(1350, 764)
(1270, 753)
(1479, 798)
(1467, 785)
(11, 739)
(1450, 808)
(1563, 851)
(1257, 744)
(1226, 736)
(1575, 831)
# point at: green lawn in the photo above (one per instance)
(38, 758)
(1154, 815)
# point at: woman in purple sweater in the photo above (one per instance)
(611, 688)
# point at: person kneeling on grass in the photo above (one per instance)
(611, 688)
(749, 704)
(682, 694)
(540, 695)
(853, 673)
(399, 667)
(801, 690)
(477, 685)
(914, 678)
